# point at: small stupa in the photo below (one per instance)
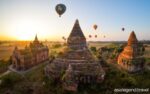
(131, 58)
(76, 64)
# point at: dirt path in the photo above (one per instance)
(26, 71)
(5, 73)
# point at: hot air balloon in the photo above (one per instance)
(60, 9)
(95, 36)
(123, 29)
(63, 38)
(95, 26)
(90, 36)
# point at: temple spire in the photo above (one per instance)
(36, 41)
(76, 31)
(76, 39)
(36, 38)
(132, 39)
(77, 21)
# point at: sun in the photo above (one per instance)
(24, 37)
(25, 29)
(25, 32)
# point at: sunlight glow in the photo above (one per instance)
(26, 29)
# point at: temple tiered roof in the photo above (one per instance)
(36, 41)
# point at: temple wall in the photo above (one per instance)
(25, 63)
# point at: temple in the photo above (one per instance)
(76, 65)
(131, 58)
(23, 59)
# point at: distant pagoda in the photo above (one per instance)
(131, 58)
(35, 53)
(76, 64)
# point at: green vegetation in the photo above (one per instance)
(142, 79)
(93, 49)
(9, 81)
(116, 78)
(56, 49)
(36, 82)
(148, 60)
(4, 65)
(110, 52)
(57, 45)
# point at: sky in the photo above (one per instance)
(23, 19)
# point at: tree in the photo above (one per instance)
(57, 45)
(8, 81)
(93, 49)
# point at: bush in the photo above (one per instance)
(58, 45)
(113, 56)
(93, 49)
(10, 80)
(4, 65)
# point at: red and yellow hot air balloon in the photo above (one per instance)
(63, 38)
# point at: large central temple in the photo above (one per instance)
(76, 64)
